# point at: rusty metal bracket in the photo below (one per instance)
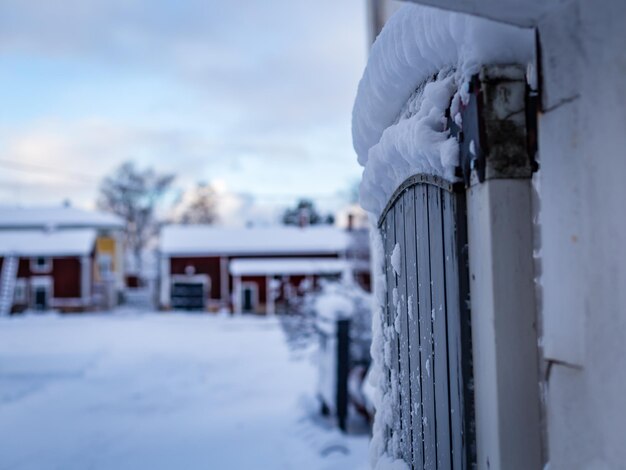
(498, 138)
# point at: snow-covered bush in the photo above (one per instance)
(331, 297)
(345, 299)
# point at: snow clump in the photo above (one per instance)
(419, 66)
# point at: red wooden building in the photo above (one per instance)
(256, 269)
(45, 270)
(107, 268)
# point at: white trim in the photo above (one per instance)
(254, 287)
(224, 279)
(165, 281)
(504, 338)
(270, 301)
(310, 280)
(237, 294)
(67, 302)
(45, 268)
(288, 266)
(104, 266)
(21, 286)
(119, 268)
(85, 279)
(37, 281)
(286, 288)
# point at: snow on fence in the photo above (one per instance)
(433, 115)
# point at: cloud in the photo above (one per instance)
(293, 56)
(238, 209)
(61, 159)
(256, 93)
(233, 209)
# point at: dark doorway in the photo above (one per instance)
(248, 303)
(41, 298)
(188, 296)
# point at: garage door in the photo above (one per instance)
(188, 295)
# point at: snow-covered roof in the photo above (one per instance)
(71, 242)
(12, 217)
(287, 266)
(399, 112)
(209, 240)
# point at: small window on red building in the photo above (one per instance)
(41, 264)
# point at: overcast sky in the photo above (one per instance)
(254, 96)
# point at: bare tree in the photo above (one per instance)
(133, 194)
(197, 205)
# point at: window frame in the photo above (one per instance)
(21, 287)
(35, 267)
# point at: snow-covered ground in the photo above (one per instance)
(161, 391)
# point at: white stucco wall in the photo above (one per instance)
(582, 195)
(525, 13)
(504, 337)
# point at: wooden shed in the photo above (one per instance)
(45, 270)
(254, 269)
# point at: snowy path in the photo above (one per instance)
(157, 391)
